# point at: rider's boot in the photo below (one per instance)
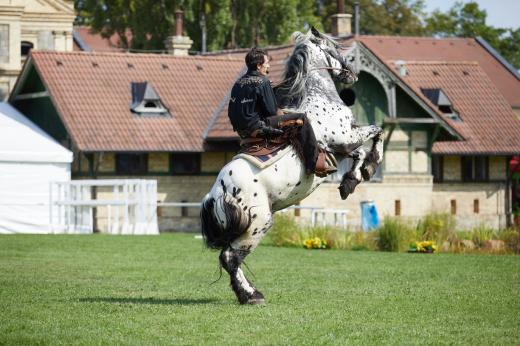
(325, 164)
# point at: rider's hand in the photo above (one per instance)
(266, 130)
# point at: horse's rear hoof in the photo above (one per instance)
(257, 298)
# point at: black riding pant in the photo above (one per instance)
(304, 136)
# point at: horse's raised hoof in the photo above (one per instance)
(368, 170)
(347, 186)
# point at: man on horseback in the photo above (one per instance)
(255, 116)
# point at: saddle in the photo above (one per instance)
(264, 150)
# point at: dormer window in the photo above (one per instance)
(443, 103)
(146, 101)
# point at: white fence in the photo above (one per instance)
(130, 209)
(319, 216)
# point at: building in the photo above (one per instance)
(31, 24)
(447, 107)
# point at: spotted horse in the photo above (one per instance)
(238, 211)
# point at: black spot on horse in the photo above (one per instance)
(254, 216)
(245, 207)
(333, 132)
(230, 172)
(234, 191)
(319, 122)
(298, 184)
(255, 194)
(239, 200)
(238, 190)
(255, 180)
(223, 185)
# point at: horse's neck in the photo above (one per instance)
(328, 115)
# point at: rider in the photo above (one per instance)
(253, 112)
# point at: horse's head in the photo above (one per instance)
(326, 53)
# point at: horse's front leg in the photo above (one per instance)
(375, 156)
(352, 178)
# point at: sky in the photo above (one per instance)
(500, 13)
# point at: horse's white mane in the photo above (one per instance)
(292, 90)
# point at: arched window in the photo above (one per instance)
(26, 47)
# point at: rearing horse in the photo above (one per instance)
(238, 211)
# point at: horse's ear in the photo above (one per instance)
(315, 32)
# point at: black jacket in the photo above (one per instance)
(252, 100)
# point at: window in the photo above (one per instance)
(4, 43)
(437, 168)
(475, 168)
(26, 47)
(146, 101)
(131, 164)
(185, 163)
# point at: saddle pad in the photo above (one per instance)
(264, 161)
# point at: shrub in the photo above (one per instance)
(482, 233)
(439, 227)
(286, 232)
(395, 235)
(511, 238)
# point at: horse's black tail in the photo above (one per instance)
(220, 231)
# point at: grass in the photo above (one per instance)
(156, 290)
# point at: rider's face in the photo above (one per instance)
(264, 68)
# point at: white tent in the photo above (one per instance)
(29, 160)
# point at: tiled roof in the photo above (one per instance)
(487, 121)
(389, 48)
(92, 94)
(86, 40)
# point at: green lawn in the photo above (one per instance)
(156, 290)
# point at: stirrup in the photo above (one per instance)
(325, 164)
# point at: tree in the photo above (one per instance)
(468, 20)
(385, 17)
(228, 23)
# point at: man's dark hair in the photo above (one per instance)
(255, 57)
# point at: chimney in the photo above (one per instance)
(341, 22)
(177, 44)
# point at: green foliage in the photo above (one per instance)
(228, 23)
(395, 235)
(385, 17)
(468, 20)
(438, 227)
(140, 290)
(286, 232)
(511, 237)
(481, 234)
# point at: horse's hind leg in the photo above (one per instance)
(232, 257)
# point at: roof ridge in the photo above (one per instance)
(129, 54)
(425, 38)
(435, 62)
